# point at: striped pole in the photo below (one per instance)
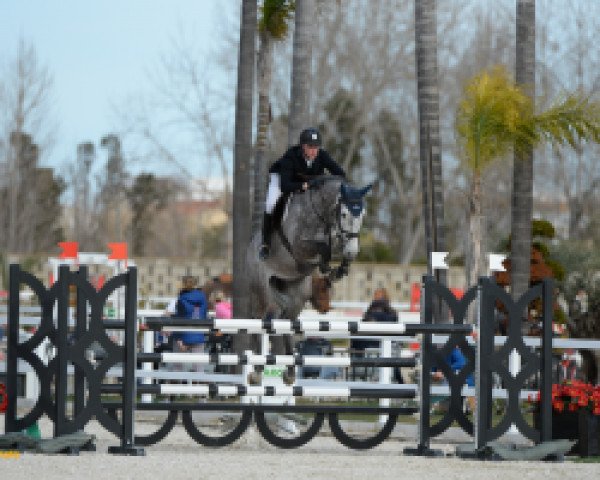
(214, 389)
(288, 327)
(281, 360)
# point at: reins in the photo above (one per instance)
(316, 212)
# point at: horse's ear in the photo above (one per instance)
(365, 190)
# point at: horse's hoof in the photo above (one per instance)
(254, 378)
(289, 377)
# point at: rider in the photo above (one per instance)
(291, 173)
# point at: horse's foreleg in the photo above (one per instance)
(324, 250)
(282, 345)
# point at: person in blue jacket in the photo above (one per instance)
(191, 303)
(457, 361)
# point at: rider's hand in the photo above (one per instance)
(305, 186)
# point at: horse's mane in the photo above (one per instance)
(321, 180)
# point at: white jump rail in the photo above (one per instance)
(308, 327)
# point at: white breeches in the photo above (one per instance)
(273, 192)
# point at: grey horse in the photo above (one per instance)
(316, 225)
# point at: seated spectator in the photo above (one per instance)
(191, 303)
(457, 362)
(223, 308)
(380, 310)
(218, 342)
(163, 340)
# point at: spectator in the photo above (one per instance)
(220, 343)
(163, 340)
(457, 361)
(223, 307)
(191, 303)
(380, 310)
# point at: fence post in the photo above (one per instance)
(129, 388)
(12, 347)
(147, 347)
(423, 446)
(62, 344)
(481, 384)
(385, 374)
(546, 362)
(80, 329)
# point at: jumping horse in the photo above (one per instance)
(316, 226)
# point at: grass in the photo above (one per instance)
(585, 460)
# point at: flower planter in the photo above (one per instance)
(589, 434)
(580, 425)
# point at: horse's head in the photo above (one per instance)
(351, 212)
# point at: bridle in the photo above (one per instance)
(332, 229)
(340, 231)
(343, 233)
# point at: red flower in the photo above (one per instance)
(572, 396)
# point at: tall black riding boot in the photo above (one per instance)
(267, 227)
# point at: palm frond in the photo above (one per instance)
(572, 118)
(496, 116)
(275, 17)
(490, 117)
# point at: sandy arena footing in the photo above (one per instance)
(179, 457)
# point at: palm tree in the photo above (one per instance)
(482, 125)
(299, 114)
(495, 116)
(429, 127)
(242, 155)
(429, 137)
(272, 26)
(522, 194)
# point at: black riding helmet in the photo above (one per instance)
(310, 136)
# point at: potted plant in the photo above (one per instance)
(575, 415)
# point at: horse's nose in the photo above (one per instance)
(351, 249)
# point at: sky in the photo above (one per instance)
(99, 52)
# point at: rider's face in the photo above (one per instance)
(310, 151)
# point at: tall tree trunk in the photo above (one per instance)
(242, 156)
(299, 115)
(522, 195)
(265, 62)
(429, 129)
(475, 244)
